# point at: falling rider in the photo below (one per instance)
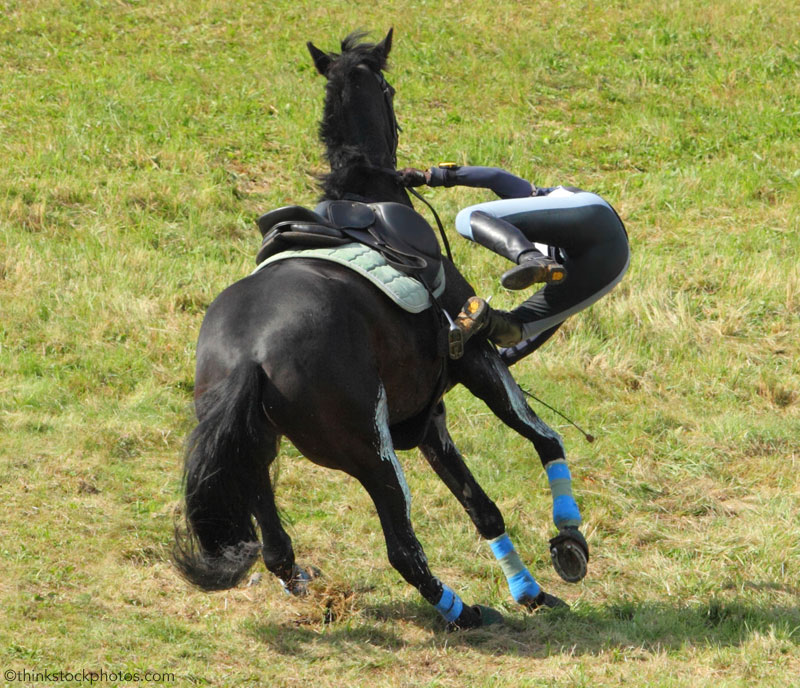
(571, 240)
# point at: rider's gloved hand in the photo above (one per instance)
(411, 176)
(443, 175)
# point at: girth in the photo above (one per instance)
(400, 234)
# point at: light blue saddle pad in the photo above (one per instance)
(404, 290)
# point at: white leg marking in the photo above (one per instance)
(444, 436)
(520, 406)
(387, 448)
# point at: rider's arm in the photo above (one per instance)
(504, 184)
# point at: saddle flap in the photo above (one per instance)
(303, 238)
(401, 226)
(287, 234)
(312, 228)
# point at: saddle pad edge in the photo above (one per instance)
(412, 306)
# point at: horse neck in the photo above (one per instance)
(364, 183)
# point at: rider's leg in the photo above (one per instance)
(508, 241)
(594, 246)
(596, 256)
(517, 352)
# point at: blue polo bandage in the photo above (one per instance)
(449, 605)
(521, 583)
(565, 509)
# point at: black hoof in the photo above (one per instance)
(570, 555)
(489, 616)
(475, 616)
(545, 600)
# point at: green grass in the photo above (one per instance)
(140, 140)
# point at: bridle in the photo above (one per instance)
(388, 96)
(395, 129)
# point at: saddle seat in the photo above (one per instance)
(398, 232)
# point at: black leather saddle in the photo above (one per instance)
(404, 238)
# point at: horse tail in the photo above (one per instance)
(226, 468)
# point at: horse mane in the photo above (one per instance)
(348, 164)
(355, 172)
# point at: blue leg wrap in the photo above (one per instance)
(449, 605)
(565, 508)
(523, 586)
(521, 583)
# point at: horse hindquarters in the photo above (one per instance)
(226, 481)
(360, 364)
(337, 362)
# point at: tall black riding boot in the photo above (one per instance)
(508, 241)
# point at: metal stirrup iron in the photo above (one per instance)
(470, 321)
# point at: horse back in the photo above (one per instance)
(320, 332)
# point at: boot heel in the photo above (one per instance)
(532, 272)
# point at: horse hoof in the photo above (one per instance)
(475, 616)
(570, 555)
(489, 616)
(546, 600)
(297, 585)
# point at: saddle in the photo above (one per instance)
(400, 234)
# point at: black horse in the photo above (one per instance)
(308, 350)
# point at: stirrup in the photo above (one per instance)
(471, 320)
(534, 270)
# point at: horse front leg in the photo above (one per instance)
(372, 460)
(444, 457)
(487, 377)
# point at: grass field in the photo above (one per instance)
(139, 140)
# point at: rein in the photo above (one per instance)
(395, 129)
(438, 222)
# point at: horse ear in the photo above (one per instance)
(385, 46)
(322, 61)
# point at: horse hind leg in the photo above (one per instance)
(277, 551)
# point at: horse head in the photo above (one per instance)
(359, 128)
